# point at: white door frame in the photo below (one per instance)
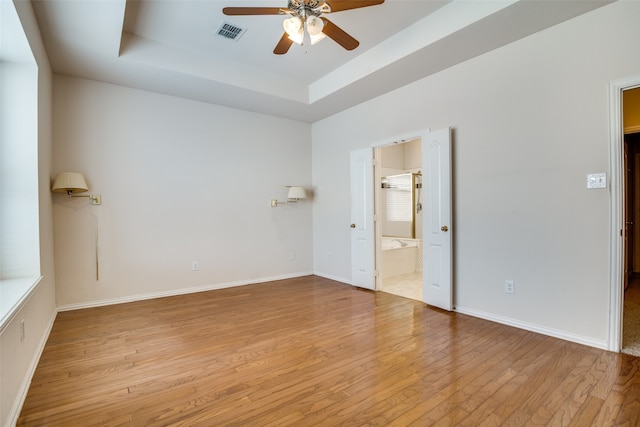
(617, 250)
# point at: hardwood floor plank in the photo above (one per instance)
(610, 409)
(562, 403)
(450, 391)
(547, 397)
(311, 351)
(477, 392)
(468, 392)
(588, 412)
(629, 414)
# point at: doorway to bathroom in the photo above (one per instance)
(398, 185)
(435, 198)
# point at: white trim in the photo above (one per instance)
(15, 292)
(532, 327)
(399, 139)
(174, 292)
(617, 211)
(16, 408)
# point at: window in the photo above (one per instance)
(399, 197)
(19, 216)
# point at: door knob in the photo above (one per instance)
(352, 226)
(444, 228)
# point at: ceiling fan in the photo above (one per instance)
(307, 14)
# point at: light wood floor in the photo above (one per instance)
(311, 351)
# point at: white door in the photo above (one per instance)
(362, 224)
(437, 248)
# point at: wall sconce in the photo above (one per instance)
(71, 183)
(294, 196)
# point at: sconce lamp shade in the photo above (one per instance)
(297, 193)
(69, 182)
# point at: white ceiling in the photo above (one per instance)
(171, 47)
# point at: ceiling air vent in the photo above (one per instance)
(230, 31)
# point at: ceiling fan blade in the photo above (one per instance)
(340, 5)
(338, 35)
(283, 45)
(251, 10)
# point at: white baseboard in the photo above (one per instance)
(14, 412)
(174, 292)
(331, 277)
(564, 335)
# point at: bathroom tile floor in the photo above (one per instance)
(405, 285)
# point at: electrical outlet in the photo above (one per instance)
(597, 180)
(21, 330)
(509, 287)
(292, 255)
(194, 266)
(329, 256)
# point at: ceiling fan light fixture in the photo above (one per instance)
(314, 28)
(294, 28)
(297, 37)
(315, 38)
(292, 25)
(307, 14)
(314, 25)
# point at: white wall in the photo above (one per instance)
(18, 358)
(181, 181)
(530, 122)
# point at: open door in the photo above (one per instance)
(362, 224)
(437, 240)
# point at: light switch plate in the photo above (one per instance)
(597, 180)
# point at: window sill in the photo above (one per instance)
(14, 293)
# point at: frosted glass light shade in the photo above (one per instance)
(297, 193)
(69, 182)
(297, 37)
(314, 28)
(315, 38)
(293, 27)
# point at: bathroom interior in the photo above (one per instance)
(400, 208)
